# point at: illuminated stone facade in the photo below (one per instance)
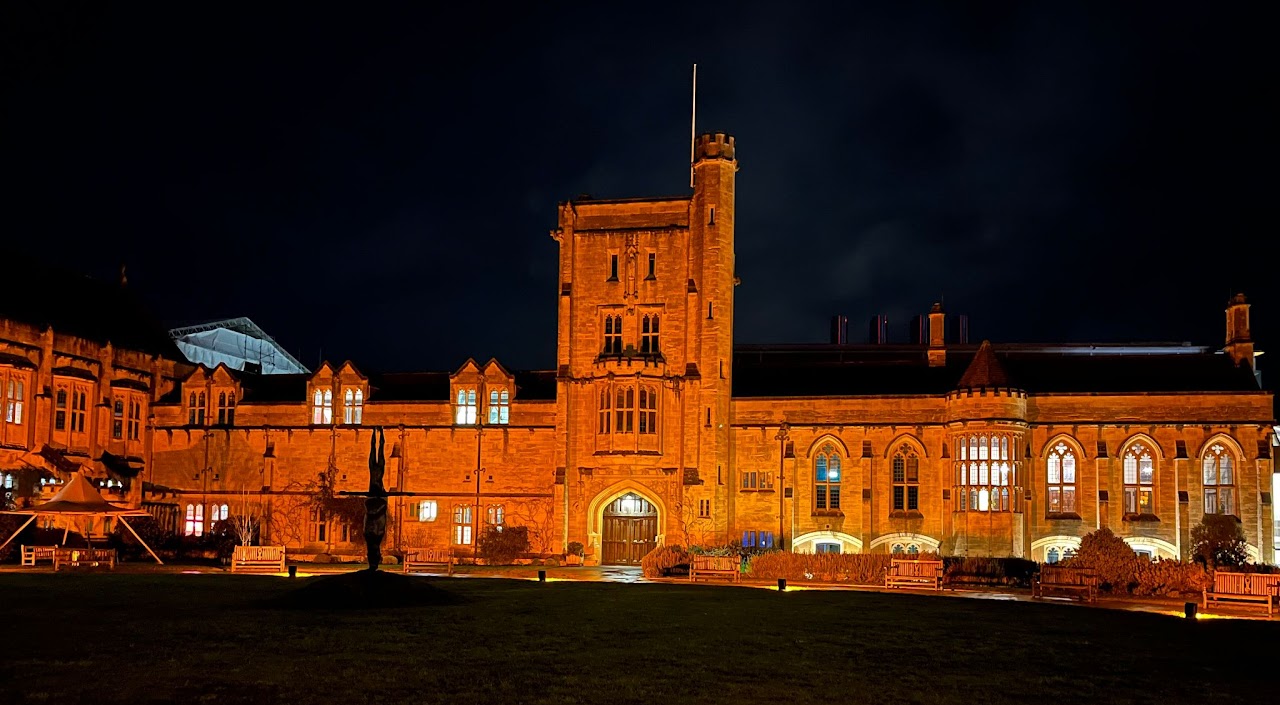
(651, 409)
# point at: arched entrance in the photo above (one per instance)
(630, 530)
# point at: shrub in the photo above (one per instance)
(854, 568)
(1111, 558)
(574, 548)
(662, 561)
(503, 545)
(1011, 572)
(1218, 541)
(1169, 578)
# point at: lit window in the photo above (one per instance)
(906, 480)
(462, 524)
(1139, 480)
(353, 406)
(613, 335)
(322, 407)
(8, 481)
(194, 524)
(648, 409)
(496, 516)
(427, 510)
(649, 334)
(826, 479)
(13, 401)
(117, 418)
(465, 413)
(217, 513)
(985, 473)
(499, 406)
(1060, 477)
(1219, 481)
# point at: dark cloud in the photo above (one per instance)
(379, 184)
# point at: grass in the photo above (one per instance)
(150, 638)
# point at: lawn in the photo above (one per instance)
(208, 638)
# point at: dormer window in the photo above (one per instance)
(499, 406)
(195, 409)
(322, 407)
(465, 411)
(353, 406)
(226, 408)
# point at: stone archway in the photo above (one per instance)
(628, 529)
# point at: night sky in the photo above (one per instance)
(379, 184)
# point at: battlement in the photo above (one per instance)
(714, 146)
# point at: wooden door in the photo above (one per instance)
(630, 531)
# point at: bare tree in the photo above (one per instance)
(539, 519)
(247, 520)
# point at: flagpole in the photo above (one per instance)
(693, 124)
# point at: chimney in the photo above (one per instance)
(1239, 344)
(879, 330)
(917, 331)
(961, 330)
(839, 330)
(937, 338)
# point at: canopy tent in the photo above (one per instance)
(79, 498)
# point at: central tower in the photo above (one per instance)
(644, 360)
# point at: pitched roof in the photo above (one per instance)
(984, 370)
(85, 307)
(849, 370)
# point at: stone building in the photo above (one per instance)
(653, 426)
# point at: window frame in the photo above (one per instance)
(826, 492)
(987, 475)
(650, 325)
(1219, 453)
(905, 475)
(352, 406)
(428, 510)
(1136, 491)
(466, 408)
(462, 525)
(1062, 474)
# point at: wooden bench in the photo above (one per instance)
(258, 559)
(424, 558)
(33, 554)
(84, 558)
(715, 567)
(1058, 578)
(1243, 587)
(912, 573)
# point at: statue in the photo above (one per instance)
(375, 503)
